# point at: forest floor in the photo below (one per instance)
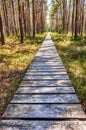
(14, 61)
(73, 54)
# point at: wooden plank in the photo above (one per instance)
(45, 90)
(42, 125)
(47, 48)
(48, 98)
(59, 83)
(54, 77)
(47, 67)
(46, 59)
(46, 70)
(46, 73)
(46, 64)
(47, 52)
(47, 111)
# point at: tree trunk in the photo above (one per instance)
(1, 32)
(21, 20)
(5, 16)
(24, 17)
(64, 16)
(57, 21)
(10, 17)
(28, 18)
(76, 19)
(82, 16)
(14, 17)
(68, 23)
(33, 6)
(73, 18)
(42, 24)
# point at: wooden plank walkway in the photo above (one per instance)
(45, 99)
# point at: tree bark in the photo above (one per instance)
(33, 8)
(73, 18)
(14, 17)
(24, 17)
(1, 31)
(28, 18)
(68, 23)
(5, 16)
(82, 16)
(21, 20)
(76, 19)
(64, 16)
(57, 21)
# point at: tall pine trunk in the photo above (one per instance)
(5, 16)
(1, 31)
(82, 16)
(76, 19)
(68, 23)
(15, 28)
(64, 16)
(21, 20)
(28, 18)
(33, 8)
(24, 17)
(73, 18)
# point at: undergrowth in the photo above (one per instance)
(14, 61)
(73, 54)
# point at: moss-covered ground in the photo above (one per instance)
(73, 54)
(14, 61)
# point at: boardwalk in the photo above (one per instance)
(46, 99)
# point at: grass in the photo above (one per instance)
(73, 54)
(14, 61)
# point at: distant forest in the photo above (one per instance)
(22, 18)
(68, 16)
